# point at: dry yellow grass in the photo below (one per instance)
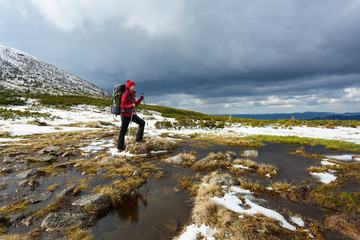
(188, 159)
(247, 163)
(267, 169)
(113, 193)
(76, 233)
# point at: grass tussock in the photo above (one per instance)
(234, 141)
(113, 193)
(127, 186)
(188, 159)
(75, 233)
(52, 207)
(254, 187)
(301, 152)
(247, 163)
(189, 184)
(18, 206)
(207, 165)
(280, 186)
(157, 144)
(15, 237)
(267, 170)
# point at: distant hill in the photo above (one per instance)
(300, 116)
(20, 71)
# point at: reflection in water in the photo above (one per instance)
(130, 208)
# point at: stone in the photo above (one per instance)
(52, 150)
(24, 183)
(249, 153)
(229, 157)
(35, 198)
(16, 218)
(174, 160)
(8, 159)
(33, 183)
(45, 159)
(223, 180)
(136, 173)
(29, 173)
(29, 220)
(66, 191)
(98, 201)
(63, 220)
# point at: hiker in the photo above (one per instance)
(128, 104)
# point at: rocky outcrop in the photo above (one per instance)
(174, 160)
(100, 202)
(35, 198)
(63, 220)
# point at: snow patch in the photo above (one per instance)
(192, 231)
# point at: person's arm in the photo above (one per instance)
(140, 99)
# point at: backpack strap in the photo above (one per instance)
(127, 110)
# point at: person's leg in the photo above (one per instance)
(140, 131)
(124, 126)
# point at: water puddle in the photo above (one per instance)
(158, 211)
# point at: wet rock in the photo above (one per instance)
(45, 159)
(64, 165)
(66, 191)
(24, 183)
(29, 220)
(347, 225)
(9, 159)
(249, 153)
(223, 180)
(17, 218)
(174, 160)
(29, 173)
(64, 220)
(52, 150)
(98, 201)
(33, 183)
(229, 157)
(35, 198)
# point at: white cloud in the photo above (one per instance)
(151, 16)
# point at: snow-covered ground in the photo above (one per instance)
(85, 114)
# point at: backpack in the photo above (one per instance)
(118, 91)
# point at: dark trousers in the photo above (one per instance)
(125, 121)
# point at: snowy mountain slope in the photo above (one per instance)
(23, 72)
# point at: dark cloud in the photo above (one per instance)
(204, 55)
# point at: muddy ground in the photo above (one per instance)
(141, 197)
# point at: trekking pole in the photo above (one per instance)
(146, 121)
(129, 128)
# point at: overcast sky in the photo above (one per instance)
(212, 56)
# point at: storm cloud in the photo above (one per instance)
(211, 56)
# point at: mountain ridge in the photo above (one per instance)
(22, 72)
(300, 116)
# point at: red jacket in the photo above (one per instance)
(125, 104)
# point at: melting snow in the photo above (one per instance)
(298, 221)
(192, 231)
(233, 203)
(325, 177)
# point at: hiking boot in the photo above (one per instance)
(120, 149)
(140, 141)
